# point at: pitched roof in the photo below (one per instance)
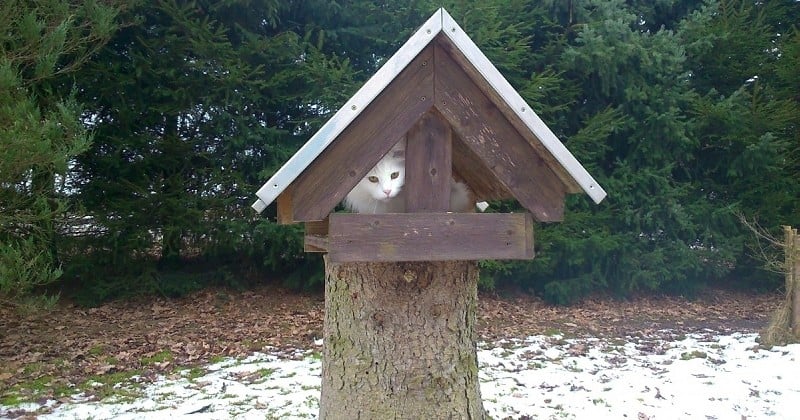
(439, 23)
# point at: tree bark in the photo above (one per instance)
(399, 341)
(794, 283)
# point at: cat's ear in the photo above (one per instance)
(398, 150)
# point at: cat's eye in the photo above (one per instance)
(394, 175)
(373, 179)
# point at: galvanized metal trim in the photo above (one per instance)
(348, 112)
(496, 80)
(440, 21)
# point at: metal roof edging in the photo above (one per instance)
(440, 21)
(348, 112)
(499, 83)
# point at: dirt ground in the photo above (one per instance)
(71, 344)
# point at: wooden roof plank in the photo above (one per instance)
(481, 70)
(487, 133)
(521, 108)
(348, 112)
(327, 180)
(469, 168)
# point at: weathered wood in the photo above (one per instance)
(359, 147)
(487, 133)
(430, 236)
(428, 165)
(468, 167)
(400, 341)
(376, 84)
(285, 206)
(529, 245)
(510, 114)
(793, 277)
(316, 236)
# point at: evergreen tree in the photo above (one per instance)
(624, 122)
(684, 123)
(195, 104)
(745, 118)
(42, 44)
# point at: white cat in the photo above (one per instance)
(381, 190)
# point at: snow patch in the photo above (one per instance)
(697, 376)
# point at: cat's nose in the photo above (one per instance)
(387, 192)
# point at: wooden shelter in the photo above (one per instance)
(459, 116)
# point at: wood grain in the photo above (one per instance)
(429, 236)
(361, 145)
(474, 74)
(428, 165)
(468, 167)
(285, 206)
(316, 236)
(488, 134)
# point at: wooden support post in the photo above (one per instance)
(400, 341)
(285, 206)
(793, 277)
(428, 165)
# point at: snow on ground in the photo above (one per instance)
(663, 376)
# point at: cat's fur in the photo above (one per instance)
(381, 190)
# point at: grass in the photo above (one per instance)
(160, 357)
(45, 386)
(115, 385)
(194, 373)
(255, 345)
(42, 384)
(551, 332)
(216, 359)
(96, 350)
(695, 354)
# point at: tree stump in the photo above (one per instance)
(793, 278)
(400, 341)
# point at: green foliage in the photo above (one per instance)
(674, 126)
(685, 112)
(24, 265)
(40, 130)
(198, 104)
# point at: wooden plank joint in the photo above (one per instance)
(429, 237)
(316, 236)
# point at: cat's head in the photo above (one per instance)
(386, 179)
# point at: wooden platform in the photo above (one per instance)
(422, 237)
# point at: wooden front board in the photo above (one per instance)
(428, 165)
(429, 237)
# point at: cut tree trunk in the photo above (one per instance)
(793, 281)
(399, 341)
